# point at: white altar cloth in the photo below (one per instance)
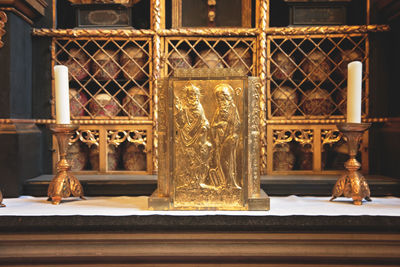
(127, 206)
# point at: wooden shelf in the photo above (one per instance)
(274, 185)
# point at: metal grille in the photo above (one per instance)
(208, 52)
(110, 77)
(307, 75)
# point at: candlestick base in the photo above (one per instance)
(1, 200)
(352, 184)
(64, 183)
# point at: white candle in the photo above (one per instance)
(354, 85)
(62, 94)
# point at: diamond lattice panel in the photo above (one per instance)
(109, 78)
(210, 52)
(308, 75)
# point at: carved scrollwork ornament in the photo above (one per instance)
(116, 137)
(136, 137)
(304, 137)
(75, 137)
(3, 21)
(330, 137)
(89, 137)
(282, 137)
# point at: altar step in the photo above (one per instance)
(273, 185)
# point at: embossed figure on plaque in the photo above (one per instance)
(226, 130)
(207, 132)
(209, 142)
(192, 145)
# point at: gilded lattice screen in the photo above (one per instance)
(115, 75)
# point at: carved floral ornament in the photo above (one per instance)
(117, 137)
(3, 20)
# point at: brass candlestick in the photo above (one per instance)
(352, 183)
(64, 183)
(1, 200)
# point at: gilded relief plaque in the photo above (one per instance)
(209, 142)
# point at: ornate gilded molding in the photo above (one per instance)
(209, 31)
(3, 21)
(145, 32)
(162, 132)
(326, 30)
(149, 122)
(253, 135)
(80, 122)
(325, 121)
(74, 33)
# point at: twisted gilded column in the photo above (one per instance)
(262, 73)
(156, 25)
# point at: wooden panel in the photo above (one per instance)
(169, 248)
(194, 13)
(387, 9)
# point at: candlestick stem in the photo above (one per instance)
(64, 183)
(352, 184)
(1, 200)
